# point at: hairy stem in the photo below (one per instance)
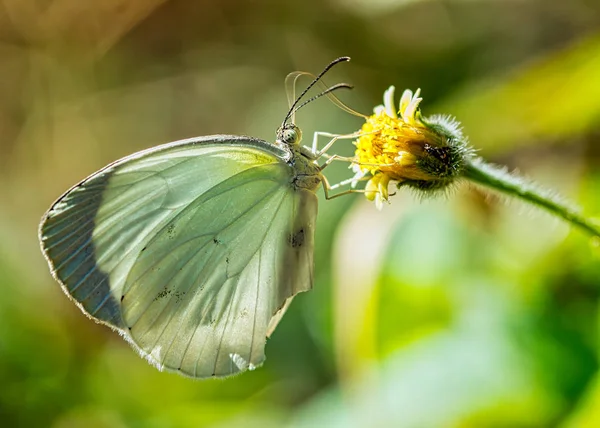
(483, 173)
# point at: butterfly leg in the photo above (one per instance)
(331, 158)
(333, 138)
(327, 188)
(353, 181)
(360, 176)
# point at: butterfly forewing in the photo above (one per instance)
(191, 250)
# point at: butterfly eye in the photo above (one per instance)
(290, 135)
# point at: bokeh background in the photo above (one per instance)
(469, 311)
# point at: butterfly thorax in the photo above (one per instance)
(307, 174)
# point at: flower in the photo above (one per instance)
(405, 148)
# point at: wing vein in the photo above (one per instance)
(172, 297)
(235, 219)
(255, 306)
(257, 251)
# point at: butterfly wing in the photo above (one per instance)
(191, 250)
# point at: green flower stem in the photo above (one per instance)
(485, 174)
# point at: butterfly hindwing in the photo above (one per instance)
(191, 250)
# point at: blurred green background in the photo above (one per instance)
(470, 311)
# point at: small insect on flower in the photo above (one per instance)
(401, 146)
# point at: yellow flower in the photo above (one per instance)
(377, 189)
(403, 147)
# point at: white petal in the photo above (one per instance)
(378, 109)
(411, 109)
(405, 101)
(379, 201)
(388, 102)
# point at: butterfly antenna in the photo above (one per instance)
(325, 92)
(290, 89)
(316, 79)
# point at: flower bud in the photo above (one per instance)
(403, 147)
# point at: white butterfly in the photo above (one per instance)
(192, 250)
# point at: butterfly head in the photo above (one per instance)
(289, 134)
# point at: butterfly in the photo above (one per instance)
(192, 250)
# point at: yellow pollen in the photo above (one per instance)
(391, 146)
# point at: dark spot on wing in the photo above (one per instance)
(297, 239)
(217, 241)
(179, 296)
(171, 230)
(122, 297)
(164, 293)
